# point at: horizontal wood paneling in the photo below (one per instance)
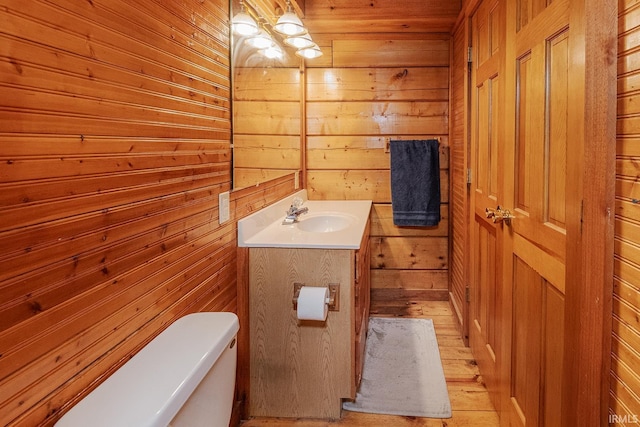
(625, 348)
(371, 184)
(115, 143)
(391, 53)
(266, 116)
(354, 151)
(362, 84)
(353, 110)
(361, 16)
(377, 118)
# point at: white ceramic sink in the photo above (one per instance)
(329, 224)
(325, 222)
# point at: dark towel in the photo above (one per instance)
(415, 182)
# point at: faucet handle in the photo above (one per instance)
(297, 202)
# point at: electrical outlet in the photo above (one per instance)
(223, 207)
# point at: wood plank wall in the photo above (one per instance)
(364, 91)
(114, 146)
(625, 369)
(266, 117)
(459, 189)
(267, 100)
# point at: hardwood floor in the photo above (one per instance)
(469, 398)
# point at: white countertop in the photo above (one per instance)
(264, 229)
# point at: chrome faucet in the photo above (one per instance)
(295, 211)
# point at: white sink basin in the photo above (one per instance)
(329, 224)
(326, 223)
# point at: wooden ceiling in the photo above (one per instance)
(380, 16)
(370, 16)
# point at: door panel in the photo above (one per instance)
(539, 124)
(536, 349)
(485, 328)
(537, 256)
(517, 300)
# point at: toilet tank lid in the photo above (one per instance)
(150, 389)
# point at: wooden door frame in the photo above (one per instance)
(590, 233)
(462, 24)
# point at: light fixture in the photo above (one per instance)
(243, 24)
(310, 52)
(272, 52)
(262, 40)
(289, 24)
(300, 42)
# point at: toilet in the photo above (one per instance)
(183, 377)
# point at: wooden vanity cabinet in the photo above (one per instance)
(306, 368)
(362, 296)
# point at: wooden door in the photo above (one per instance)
(543, 128)
(519, 156)
(485, 329)
(536, 164)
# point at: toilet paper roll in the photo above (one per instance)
(312, 303)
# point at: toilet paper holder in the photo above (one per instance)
(334, 295)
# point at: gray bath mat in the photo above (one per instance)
(402, 372)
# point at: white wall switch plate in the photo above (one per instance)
(223, 207)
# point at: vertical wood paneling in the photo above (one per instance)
(114, 146)
(353, 110)
(625, 369)
(459, 200)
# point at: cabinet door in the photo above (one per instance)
(299, 368)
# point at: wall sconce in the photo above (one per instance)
(289, 24)
(250, 23)
(300, 42)
(262, 40)
(243, 24)
(272, 52)
(310, 52)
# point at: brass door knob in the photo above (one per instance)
(499, 215)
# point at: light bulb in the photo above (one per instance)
(272, 52)
(243, 24)
(260, 41)
(289, 24)
(300, 42)
(310, 52)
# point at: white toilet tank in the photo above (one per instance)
(183, 377)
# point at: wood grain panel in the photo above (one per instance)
(246, 146)
(266, 84)
(266, 118)
(115, 145)
(625, 370)
(381, 87)
(537, 349)
(376, 84)
(410, 279)
(360, 184)
(459, 159)
(382, 223)
(389, 53)
(409, 253)
(299, 369)
(267, 122)
(356, 151)
(377, 118)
